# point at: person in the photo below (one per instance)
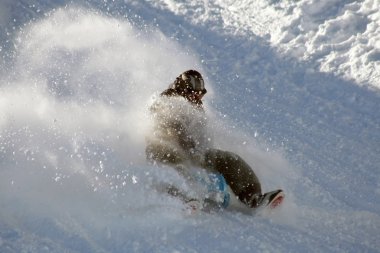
(180, 140)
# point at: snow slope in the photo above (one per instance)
(340, 37)
(293, 89)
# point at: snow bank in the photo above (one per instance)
(340, 37)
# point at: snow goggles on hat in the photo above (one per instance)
(196, 84)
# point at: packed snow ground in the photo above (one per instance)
(293, 88)
(336, 36)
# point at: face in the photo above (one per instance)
(196, 96)
(195, 88)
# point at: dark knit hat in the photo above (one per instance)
(189, 81)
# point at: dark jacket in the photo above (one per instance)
(170, 92)
(179, 128)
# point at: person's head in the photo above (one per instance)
(190, 85)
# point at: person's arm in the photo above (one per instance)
(184, 138)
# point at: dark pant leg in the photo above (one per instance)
(238, 174)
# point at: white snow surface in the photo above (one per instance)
(293, 89)
(341, 37)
